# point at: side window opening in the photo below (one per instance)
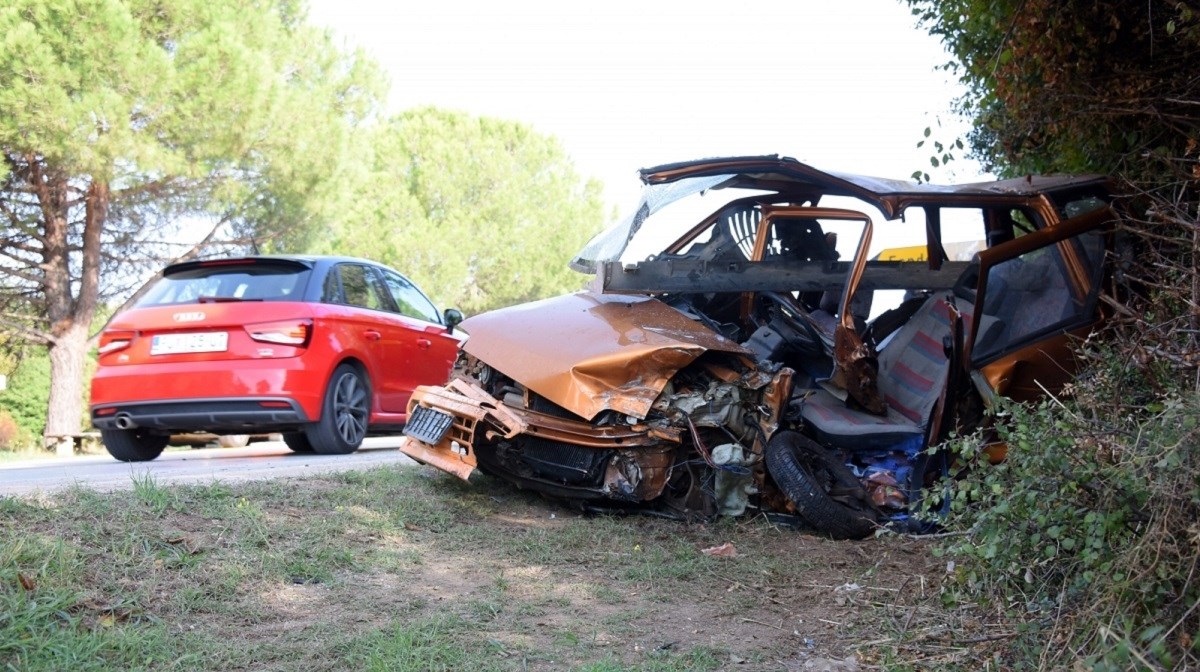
(359, 287)
(1021, 222)
(743, 228)
(1033, 295)
(409, 300)
(729, 238)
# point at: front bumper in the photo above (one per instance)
(468, 405)
(474, 411)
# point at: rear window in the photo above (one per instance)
(241, 282)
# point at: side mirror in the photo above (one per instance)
(452, 317)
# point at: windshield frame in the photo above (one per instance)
(610, 244)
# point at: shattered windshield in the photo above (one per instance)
(611, 244)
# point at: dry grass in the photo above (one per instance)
(402, 568)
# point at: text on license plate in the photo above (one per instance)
(206, 341)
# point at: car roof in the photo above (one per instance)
(785, 174)
(305, 260)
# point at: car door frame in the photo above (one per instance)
(362, 334)
(1042, 360)
(420, 351)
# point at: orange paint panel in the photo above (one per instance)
(589, 353)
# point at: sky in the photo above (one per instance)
(846, 85)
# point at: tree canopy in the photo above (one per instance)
(480, 212)
(1076, 85)
(143, 130)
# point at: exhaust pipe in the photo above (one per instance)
(124, 422)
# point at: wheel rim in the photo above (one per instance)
(350, 409)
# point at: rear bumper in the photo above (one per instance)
(245, 382)
(220, 415)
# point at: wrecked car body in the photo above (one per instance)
(762, 336)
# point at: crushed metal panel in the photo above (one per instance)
(638, 475)
(468, 405)
(589, 353)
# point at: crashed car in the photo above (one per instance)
(763, 336)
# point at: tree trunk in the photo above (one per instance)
(65, 411)
(70, 316)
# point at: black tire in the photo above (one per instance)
(811, 477)
(297, 442)
(133, 445)
(343, 423)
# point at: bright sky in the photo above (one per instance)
(846, 85)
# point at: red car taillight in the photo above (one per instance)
(111, 341)
(287, 332)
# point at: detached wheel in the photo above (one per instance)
(297, 442)
(826, 494)
(343, 423)
(133, 445)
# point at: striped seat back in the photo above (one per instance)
(913, 363)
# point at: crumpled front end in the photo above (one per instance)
(593, 398)
(629, 462)
(590, 353)
(443, 422)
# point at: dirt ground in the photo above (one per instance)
(536, 577)
(330, 571)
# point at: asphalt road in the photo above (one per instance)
(258, 461)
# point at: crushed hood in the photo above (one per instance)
(589, 353)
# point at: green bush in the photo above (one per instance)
(1087, 535)
(27, 395)
(9, 431)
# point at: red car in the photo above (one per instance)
(322, 349)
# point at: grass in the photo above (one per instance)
(393, 569)
(24, 453)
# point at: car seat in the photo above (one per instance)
(913, 368)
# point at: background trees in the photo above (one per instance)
(482, 213)
(1077, 85)
(133, 132)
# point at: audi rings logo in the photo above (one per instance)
(193, 316)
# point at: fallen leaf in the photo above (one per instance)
(725, 550)
(189, 544)
(27, 583)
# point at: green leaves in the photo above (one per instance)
(1074, 513)
(941, 155)
(134, 132)
(233, 101)
(1053, 85)
(481, 212)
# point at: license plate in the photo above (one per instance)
(428, 425)
(206, 341)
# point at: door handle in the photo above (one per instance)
(372, 335)
(424, 343)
